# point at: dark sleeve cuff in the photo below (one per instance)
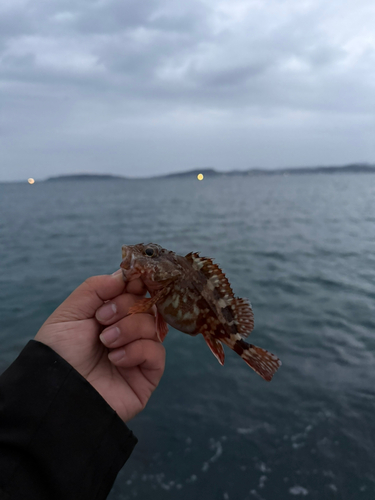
(58, 437)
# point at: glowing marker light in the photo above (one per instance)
(31, 180)
(200, 177)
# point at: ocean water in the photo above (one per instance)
(301, 248)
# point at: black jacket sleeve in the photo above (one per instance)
(59, 439)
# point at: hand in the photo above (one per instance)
(126, 362)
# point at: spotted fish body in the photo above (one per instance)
(193, 295)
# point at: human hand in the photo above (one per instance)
(125, 370)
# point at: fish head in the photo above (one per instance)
(155, 265)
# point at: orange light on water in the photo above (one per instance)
(30, 180)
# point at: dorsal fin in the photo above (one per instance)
(214, 275)
(243, 316)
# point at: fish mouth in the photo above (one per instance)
(127, 265)
(127, 258)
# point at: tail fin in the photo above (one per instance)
(264, 363)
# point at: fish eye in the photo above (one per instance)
(149, 252)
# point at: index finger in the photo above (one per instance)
(83, 302)
(136, 287)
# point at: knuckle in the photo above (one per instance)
(90, 282)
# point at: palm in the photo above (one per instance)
(125, 388)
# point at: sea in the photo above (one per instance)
(301, 248)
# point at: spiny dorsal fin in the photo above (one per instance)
(242, 313)
(215, 276)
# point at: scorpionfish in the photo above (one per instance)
(193, 295)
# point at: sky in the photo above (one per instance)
(147, 87)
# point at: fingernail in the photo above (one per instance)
(116, 355)
(110, 336)
(106, 312)
(117, 273)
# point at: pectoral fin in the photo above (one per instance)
(161, 327)
(144, 305)
(141, 306)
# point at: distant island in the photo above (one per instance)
(84, 177)
(354, 168)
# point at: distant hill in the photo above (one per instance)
(210, 172)
(191, 173)
(85, 177)
(354, 168)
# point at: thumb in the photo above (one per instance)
(88, 297)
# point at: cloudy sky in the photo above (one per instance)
(141, 87)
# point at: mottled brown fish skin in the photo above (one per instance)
(193, 295)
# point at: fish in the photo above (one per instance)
(192, 294)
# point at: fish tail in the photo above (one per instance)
(264, 363)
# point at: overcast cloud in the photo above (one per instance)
(144, 87)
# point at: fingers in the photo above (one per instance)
(117, 308)
(88, 297)
(103, 287)
(137, 287)
(129, 329)
(147, 354)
